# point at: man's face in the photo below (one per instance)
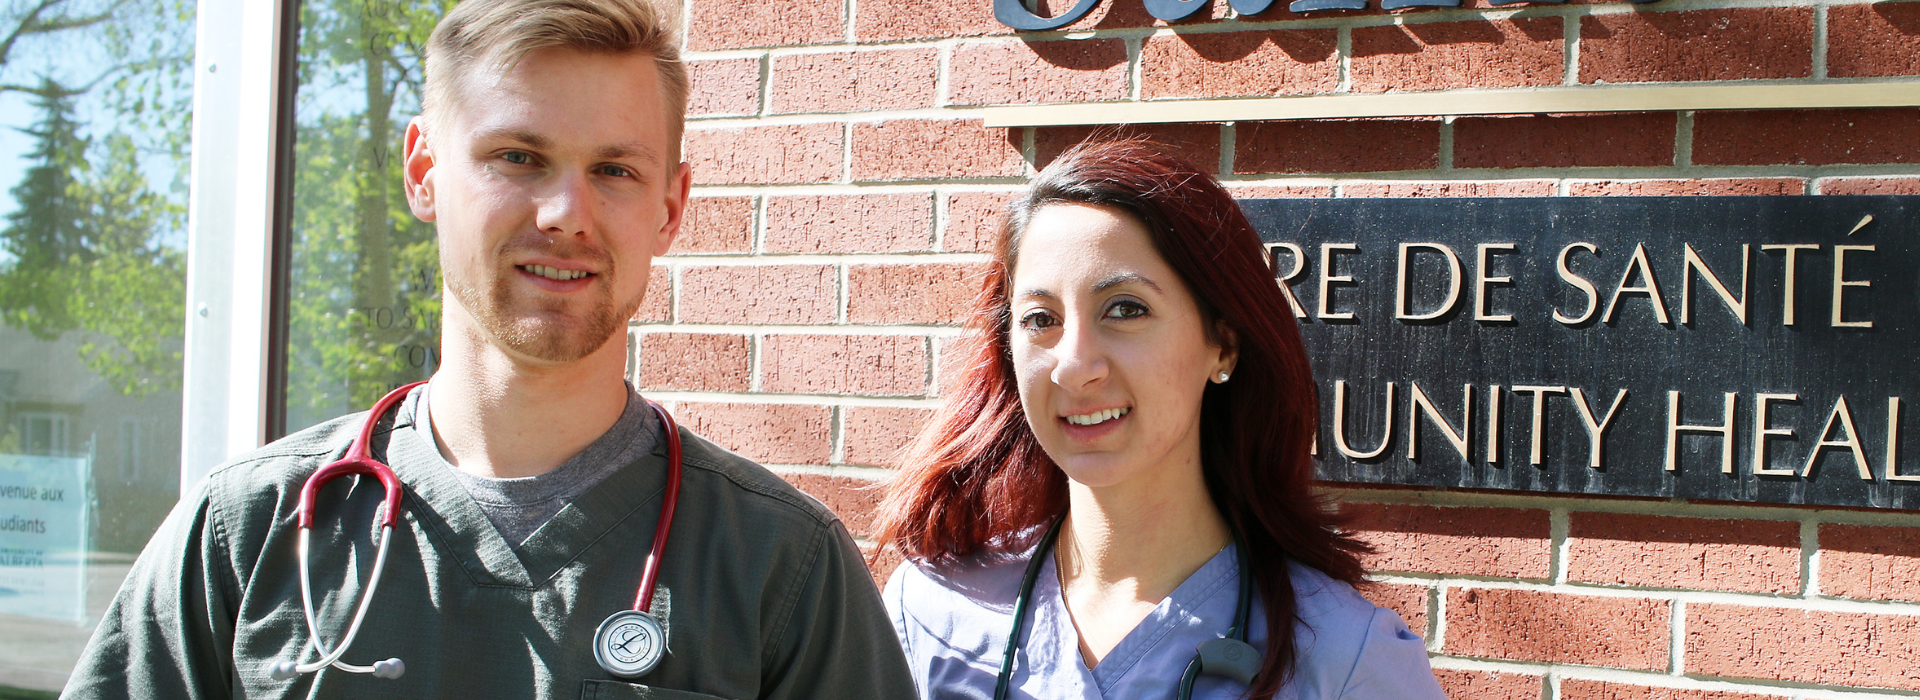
(551, 189)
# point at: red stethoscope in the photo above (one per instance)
(628, 644)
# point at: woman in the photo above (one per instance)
(1132, 429)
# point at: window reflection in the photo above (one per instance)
(364, 303)
(95, 109)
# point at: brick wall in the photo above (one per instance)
(846, 186)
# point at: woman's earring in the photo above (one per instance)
(1222, 379)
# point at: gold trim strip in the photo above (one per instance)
(1466, 102)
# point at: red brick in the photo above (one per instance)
(765, 154)
(1446, 55)
(1878, 39)
(1756, 556)
(1487, 685)
(727, 87)
(1870, 185)
(854, 500)
(876, 436)
(1583, 689)
(1673, 188)
(895, 20)
(1858, 561)
(770, 433)
(694, 361)
(1848, 649)
(657, 307)
(1823, 137)
(1557, 628)
(973, 220)
(879, 365)
(1233, 64)
(1503, 542)
(1449, 188)
(1198, 143)
(881, 561)
(759, 294)
(719, 24)
(1337, 146)
(855, 81)
(1407, 600)
(1590, 140)
(1727, 44)
(1281, 191)
(921, 149)
(1038, 72)
(936, 293)
(716, 225)
(874, 223)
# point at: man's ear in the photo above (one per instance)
(417, 178)
(679, 188)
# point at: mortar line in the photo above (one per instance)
(1683, 139)
(1810, 557)
(1677, 638)
(1819, 41)
(1559, 527)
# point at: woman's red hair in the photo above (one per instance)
(977, 482)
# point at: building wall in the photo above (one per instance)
(846, 189)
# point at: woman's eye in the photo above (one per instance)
(1126, 309)
(1038, 321)
(516, 157)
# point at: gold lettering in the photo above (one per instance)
(1852, 442)
(1340, 423)
(1328, 279)
(1400, 300)
(1422, 404)
(1596, 430)
(1840, 284)
(1493, 425)
(1763, 430)
(1481, 281)
(1793, 266)
(1286, 281)
(1691, 264)
(1577, 282)
(1651, 288)
(1893, 443)
(1538, 446)
(1674, 428)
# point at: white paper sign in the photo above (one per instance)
(43, 536)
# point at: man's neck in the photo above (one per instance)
(500, 417)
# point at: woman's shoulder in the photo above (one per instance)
(966, 605)
(1353, 648)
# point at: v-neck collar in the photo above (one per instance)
(1177, 610)
(451, 517)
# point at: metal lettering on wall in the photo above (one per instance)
(1720, 348)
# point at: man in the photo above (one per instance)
(547, 156)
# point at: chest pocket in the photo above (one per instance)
(615, 690)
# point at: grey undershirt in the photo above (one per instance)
(518, 507)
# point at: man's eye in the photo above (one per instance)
(614, 171)
(1126, 309)
(1038, 321)
(516, 157)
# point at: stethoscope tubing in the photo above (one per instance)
(332, 658)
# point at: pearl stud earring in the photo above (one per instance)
(1223, 378)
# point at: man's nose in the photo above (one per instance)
(566, 207)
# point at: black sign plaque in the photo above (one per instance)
(1757, 349)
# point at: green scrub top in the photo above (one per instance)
(762, 591)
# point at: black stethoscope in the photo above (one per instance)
(1230, 656)
(628, 644)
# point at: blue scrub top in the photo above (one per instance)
(954, 624)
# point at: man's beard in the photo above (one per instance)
(526, 324)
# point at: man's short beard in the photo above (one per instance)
(533, 336)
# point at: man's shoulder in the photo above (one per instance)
(283, 464)
(745, 484)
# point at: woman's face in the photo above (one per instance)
(1110, 348)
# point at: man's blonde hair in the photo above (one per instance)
(499, 33)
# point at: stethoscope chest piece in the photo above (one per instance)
(630, 643)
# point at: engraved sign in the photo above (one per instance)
(1761, 349)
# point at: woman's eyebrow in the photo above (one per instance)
(1120, 278)
(1036, 293)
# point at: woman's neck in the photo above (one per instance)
(1126, 547)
